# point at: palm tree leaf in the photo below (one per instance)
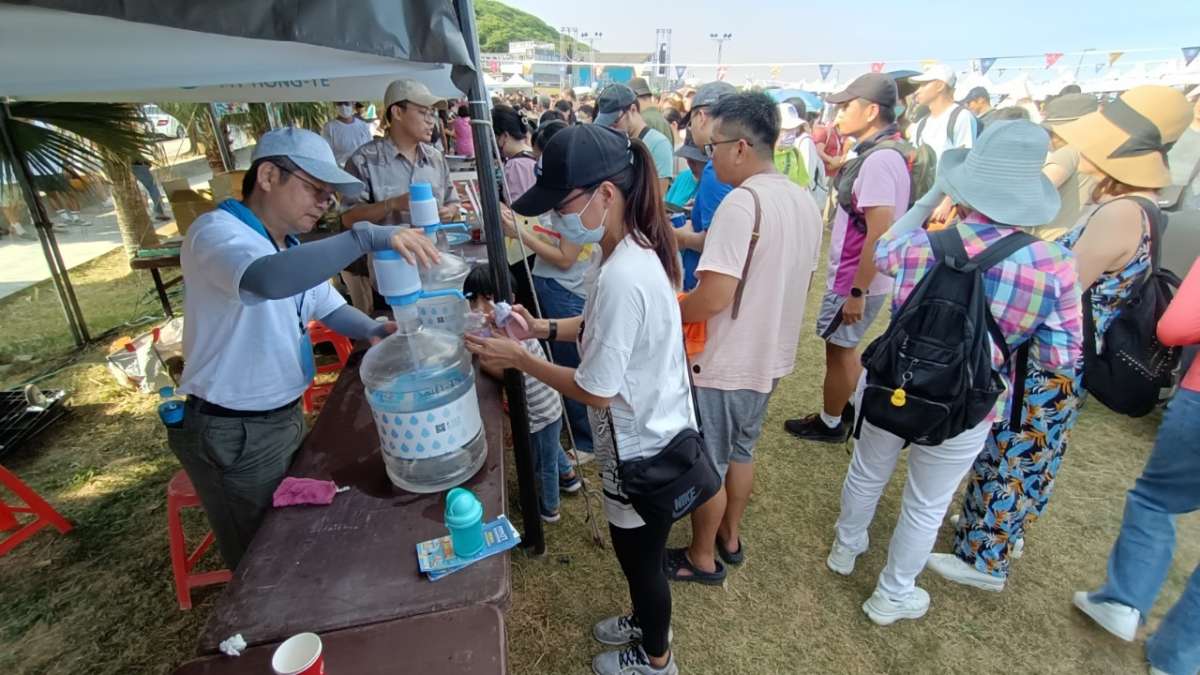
(65, 138)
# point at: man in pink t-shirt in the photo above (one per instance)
(754, 279)
(855, 291)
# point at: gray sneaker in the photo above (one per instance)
(621, 630)
(631, 661)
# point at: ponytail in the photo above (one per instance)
(644, 213)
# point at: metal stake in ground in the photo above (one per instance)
(41, 222)
(489, 197)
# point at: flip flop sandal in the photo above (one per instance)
(677, 560)
(735, 558)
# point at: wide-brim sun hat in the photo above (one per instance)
(1001, 177)
(311, 153)
(1128, 137)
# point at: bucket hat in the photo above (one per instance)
(1001, 177)
(1128, 138)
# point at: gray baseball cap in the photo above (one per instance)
(614, 100)
(708, 94)
(311, 153)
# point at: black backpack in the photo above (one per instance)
(1135, 372)
(930, 375)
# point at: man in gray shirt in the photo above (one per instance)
(388, 166)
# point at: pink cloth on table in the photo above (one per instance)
(296, 491)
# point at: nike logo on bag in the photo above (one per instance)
(684, 501)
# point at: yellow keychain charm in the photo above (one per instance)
(899, 398)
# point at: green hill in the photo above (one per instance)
(500, 24)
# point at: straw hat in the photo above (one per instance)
(1001, 177)
(1128, 138)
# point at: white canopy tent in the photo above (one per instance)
(516, 82)
(252, 50)
(100, 58)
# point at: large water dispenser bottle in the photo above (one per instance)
(420, 385)
(444, 312)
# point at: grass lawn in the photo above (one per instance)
(99, 600)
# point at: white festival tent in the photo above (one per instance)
(253, 51)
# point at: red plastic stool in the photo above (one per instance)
(45, 514)
(315, 395)
(181, 495)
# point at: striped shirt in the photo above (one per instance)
(542, 402)
(1034, 294)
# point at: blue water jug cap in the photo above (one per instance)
(420, 191)
(166, 392)
(462, 508)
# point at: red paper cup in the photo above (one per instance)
(299, 655)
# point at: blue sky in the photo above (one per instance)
(873, 30)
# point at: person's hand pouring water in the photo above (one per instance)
(415, 247)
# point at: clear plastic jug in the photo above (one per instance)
(421, 388)
(445, 312)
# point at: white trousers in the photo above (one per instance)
(934, 474)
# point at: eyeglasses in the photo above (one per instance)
(427, 113)
(320, 194)
(710, 148)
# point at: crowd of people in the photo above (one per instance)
(1066, 207)
(662, 245)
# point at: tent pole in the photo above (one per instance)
(272, 115)
(489, 197)
(222, 141)
(54, 261)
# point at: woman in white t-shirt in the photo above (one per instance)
(601, 188)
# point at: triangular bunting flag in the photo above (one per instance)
(775, 72)
(722, 72)
(877, 67)
(1000, 72)
(986, 64)
(1190, 54)
(1113, 56)
(679, 71)
(925, 63)
(1099, 67)
(825, 68)
(1052, 58)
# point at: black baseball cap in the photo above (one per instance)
(614, 100)
(576, 157)
(976, 93)
(874, 87)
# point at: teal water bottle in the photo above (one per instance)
(464, 519)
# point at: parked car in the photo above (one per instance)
(159, 122)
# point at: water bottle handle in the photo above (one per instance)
(444, 293)
(432, 229)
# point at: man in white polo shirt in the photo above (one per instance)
(250, 291)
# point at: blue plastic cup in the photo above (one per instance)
(464, 519)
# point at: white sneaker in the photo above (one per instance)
(1018, 546)
(841, 559)
(953, 568)
(885, 612)
(581, 456)
(1118, 619)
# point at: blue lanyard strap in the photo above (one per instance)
(244, 214)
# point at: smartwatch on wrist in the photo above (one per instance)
(856, 292)
(553, 330)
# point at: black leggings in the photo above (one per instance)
(641, 552)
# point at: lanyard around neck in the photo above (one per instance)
(248, 217)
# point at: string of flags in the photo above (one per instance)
(983, 65)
